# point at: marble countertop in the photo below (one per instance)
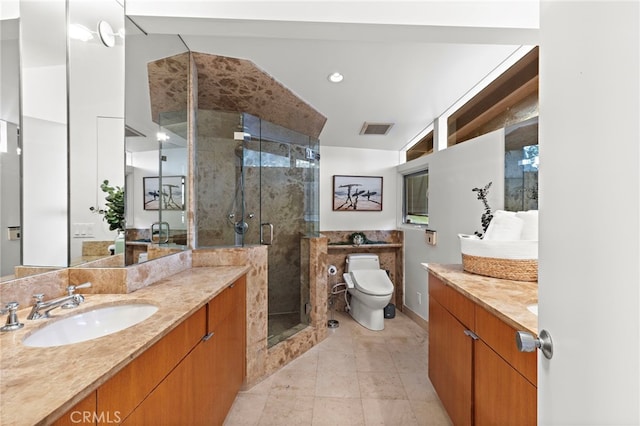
(37, 385)
(506, 299)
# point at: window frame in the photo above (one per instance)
(405, 199)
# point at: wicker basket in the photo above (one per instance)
(509, 269)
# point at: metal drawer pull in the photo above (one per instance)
(471, 334)
(526, 342)
(207, 336)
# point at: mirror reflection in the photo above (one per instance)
(521, 166)
(156, 144)
(70, 114)
(10, 242)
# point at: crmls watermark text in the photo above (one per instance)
(93, 417)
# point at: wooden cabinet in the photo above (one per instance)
(450, 363)
(227, 323)
(474, 365)
(190, 377)
(83, 413)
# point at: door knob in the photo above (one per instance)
(526, 342)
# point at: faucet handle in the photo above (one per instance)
(12, 320)
(11, 306)
(72, 288)
(39, 297)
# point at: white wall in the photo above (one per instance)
(357, 162)
(453, 207)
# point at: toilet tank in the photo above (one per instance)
(362, 261)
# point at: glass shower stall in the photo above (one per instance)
(257, 183)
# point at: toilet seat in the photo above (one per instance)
(375, 282)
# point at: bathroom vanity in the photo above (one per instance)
(474, 364)
(183, 364)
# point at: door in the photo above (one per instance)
(589, 216)
(285, 189)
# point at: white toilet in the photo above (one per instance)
(370, 289)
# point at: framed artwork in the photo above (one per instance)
(169, 197)
(357, 193)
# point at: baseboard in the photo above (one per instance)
(423, 323)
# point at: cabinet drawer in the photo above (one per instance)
(501, 338)
(461, 307)
(124, 391)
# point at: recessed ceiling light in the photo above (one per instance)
(336, 77)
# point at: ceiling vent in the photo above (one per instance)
(375, 128)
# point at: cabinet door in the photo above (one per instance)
(450, 363)
(229, 347)
(183, 397)
(83, 413)
(502, 395)
(124, 391)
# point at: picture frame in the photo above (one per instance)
(357, 193)
(171, 197)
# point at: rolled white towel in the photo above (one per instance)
(530, 226)
(504, 226)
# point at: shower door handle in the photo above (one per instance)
(262, 240)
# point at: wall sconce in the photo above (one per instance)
(105, 32)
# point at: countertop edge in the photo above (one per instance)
(514, 312)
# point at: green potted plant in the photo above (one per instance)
(113, 212)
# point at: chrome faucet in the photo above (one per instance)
(69, 301)
(12, 319)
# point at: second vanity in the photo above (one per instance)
(474, 364)
(130, 374)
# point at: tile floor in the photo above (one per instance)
(354, 377)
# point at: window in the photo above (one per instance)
(416, 198)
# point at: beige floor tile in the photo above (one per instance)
(337, 384)
(381, 385)
(418, 387)
(337, 344)
(371, 360)
(246, 410)
(396, 412)
(337, 412)
(430, 413)
(370, 343)
(410, 361)
(336, 361)
(355, 376)
(283, 410)
(293, 383)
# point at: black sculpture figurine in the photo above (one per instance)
(487, 215)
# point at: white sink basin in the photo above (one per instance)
(89, 325)
(533, 309)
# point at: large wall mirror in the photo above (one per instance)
(63, 133)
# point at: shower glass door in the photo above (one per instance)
(288, 199)
(257, 183)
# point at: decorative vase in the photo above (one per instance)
(119, 242)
